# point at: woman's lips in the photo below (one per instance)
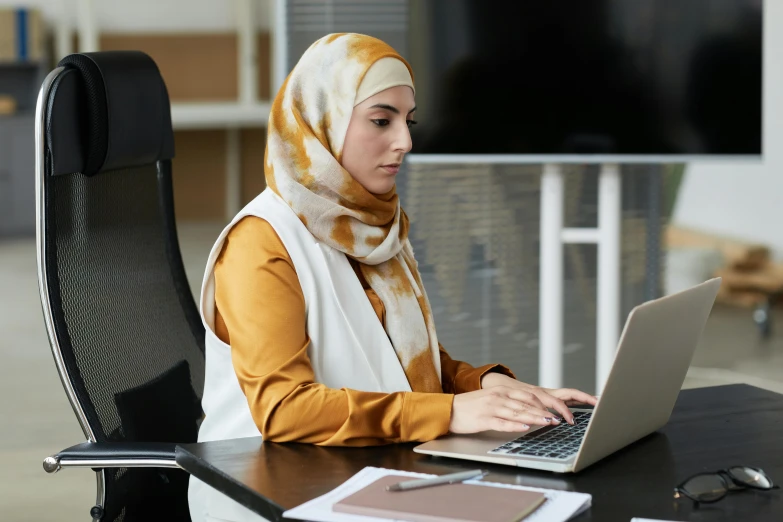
(391, 169)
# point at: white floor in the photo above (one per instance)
(38, 421)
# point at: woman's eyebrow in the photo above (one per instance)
(391, 108)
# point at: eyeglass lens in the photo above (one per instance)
(706, 488)
(750, 476)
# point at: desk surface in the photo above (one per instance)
(711, 428)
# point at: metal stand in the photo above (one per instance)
(553, 237)
(550, 316)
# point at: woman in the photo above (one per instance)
(318, 326)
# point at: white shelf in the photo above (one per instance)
(219, 115)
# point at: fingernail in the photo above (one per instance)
(558, 419)
(548, 419)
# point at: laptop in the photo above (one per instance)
(655, 350)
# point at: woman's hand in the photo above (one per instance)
(558, 399)
(499, 408)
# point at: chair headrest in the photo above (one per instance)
(108, 110)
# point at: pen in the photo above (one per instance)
(450, 478)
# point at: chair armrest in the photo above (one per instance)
(100, 455)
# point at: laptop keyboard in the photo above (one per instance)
(554, 442)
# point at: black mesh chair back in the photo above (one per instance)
(124, 328)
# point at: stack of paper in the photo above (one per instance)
(559, 506)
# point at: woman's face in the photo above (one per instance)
(378, 138)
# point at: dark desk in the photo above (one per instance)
(710, 428)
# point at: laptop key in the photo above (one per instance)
(559, 441)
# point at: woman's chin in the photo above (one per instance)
(381, 186)
(380, 192)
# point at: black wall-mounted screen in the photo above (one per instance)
(584, 77)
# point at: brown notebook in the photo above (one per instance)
(444, 503)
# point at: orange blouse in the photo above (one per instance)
(260, 313)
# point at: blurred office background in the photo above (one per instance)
(476, 225)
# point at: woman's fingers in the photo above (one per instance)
(572, 396)
(525, 397)
(512, 408)
(531, 403)
(556, 404)
(561, 399)
(524, 416)
(499, 424)
(538, 416)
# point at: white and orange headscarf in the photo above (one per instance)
(307, 127)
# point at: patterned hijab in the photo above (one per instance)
(307, 127)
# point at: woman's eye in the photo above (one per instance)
(384, 122)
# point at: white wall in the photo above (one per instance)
(745, 200)
(150, 15)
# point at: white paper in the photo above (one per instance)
(559, 506)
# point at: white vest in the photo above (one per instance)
(348, 346)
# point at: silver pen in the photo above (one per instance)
(451, 478)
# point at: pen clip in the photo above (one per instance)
(436, 481)
(483, 474)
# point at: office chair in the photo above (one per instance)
(124, 330)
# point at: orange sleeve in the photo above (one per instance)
(261, 311)
(460, 377)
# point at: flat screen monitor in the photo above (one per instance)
(604, 79)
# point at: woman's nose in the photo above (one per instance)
(403, 142)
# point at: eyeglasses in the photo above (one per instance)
(711, 487)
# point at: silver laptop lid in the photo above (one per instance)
(652, 359)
